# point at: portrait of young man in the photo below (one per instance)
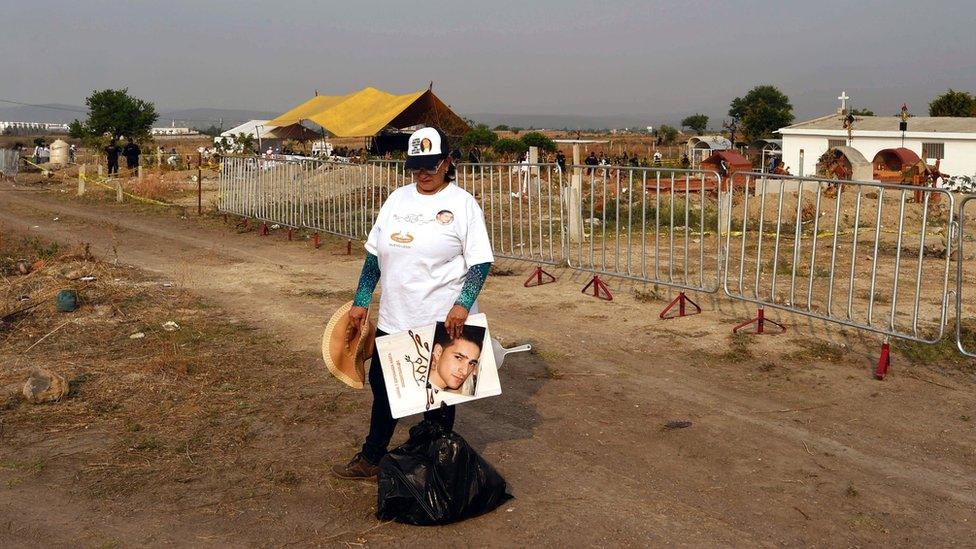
(454, 362)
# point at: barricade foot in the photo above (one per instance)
(348, 249)
(600, 289)
(884, 361)
(760, 322)
(537, 275)
(680, 302)
(264, 230)
(289, 234)
(316, 241)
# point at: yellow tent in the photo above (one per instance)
(367, 112)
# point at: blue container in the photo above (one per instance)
(67, 301)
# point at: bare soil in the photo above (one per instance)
(791, 441)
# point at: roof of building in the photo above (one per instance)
(368, 111)
(931, 124)
(249, 128)
(713, 142)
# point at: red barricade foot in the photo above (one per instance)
(680, 301)
(289, 234)
(884, 361)
(760, 321)
(264, 230)
(537, 274)
(600, 289)
(316, 241)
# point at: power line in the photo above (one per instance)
(42, 106)
(85, 111)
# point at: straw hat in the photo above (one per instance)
(345, 360)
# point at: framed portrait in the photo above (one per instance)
(425, 368)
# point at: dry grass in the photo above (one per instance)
(165, 409)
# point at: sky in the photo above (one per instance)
(657, 59)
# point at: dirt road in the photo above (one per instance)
(792, 442)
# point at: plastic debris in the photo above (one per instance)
(137, 335)
(170, 326)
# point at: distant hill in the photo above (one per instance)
(570, 121)
(202, 117)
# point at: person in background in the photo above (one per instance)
(591, 160)
(561, 160)
(72, 153)
(685, 162)
(112, 152)
(131, 152)
(36, 157)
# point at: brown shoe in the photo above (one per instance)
(357, 469)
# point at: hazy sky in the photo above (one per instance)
(540, 57)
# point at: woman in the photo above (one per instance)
(430, 252)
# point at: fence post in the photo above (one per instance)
(200, 184)
(81, 179)
(99, 170)
(139, 173)
(118, 190)
(575, 194)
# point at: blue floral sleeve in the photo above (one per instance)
(367, 281)
(473, 282)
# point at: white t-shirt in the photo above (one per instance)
(425, 245)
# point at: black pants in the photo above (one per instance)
(381, 423)
(113, 165)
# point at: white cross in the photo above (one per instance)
(843, 100)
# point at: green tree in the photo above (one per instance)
(211, 130)
(501, 128)
(117, 114)
(538, 139)
(509, 147)
(696, 122)
(762, 111)
(862, 112)
(953, 103)
(478, 138)
(668, 134)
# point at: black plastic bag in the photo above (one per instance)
(436, 478)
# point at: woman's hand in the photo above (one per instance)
(454, 322)
(357, 316)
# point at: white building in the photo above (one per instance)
(948, 139)
(172, 130)
(32, 128)
(257, 129)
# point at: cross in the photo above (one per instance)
(843, 100)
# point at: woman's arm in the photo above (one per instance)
(473, 282)
(368, 278)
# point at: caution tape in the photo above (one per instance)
(130, 195)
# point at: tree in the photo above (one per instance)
(762, 111)
(953, 103)
(507, 146)
(116, 113)
(478, 138)
(501, 128)
(212, 130)
(862, 112)
(667, 134)
(538, 139)
(696, 122)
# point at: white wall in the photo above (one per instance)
(960, 155)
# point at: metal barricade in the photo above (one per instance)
(522, 206)
(9, 162)
(235, 185)
(862, 254)
(278, 191)
(656, 225)
(965, 278)
(336, 198)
